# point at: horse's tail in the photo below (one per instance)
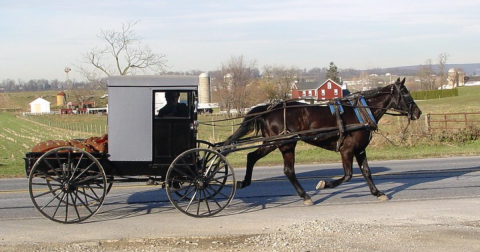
(253, 122)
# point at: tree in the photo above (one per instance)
(81, 92)
(454, 76)
(427, 78)
(277, 82)
(237, 74)
(442, 61)
(332, 73)
(123, 54)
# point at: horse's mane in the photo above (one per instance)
(271, 106)
(366, 93)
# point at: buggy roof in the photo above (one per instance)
(189, 82)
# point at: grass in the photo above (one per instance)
(19, 134)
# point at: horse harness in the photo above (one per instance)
(362, 112)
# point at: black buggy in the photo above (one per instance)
(68, 184)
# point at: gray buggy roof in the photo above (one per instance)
(153, 81)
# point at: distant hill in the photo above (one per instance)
(469, 69)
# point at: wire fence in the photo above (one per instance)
(92, 129)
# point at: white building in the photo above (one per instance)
(40, 105)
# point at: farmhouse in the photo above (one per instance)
(40, 105)
(316, 91)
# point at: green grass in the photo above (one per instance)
(468, 100)
(19, 134)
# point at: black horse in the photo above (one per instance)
(351, 119)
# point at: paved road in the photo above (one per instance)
(442, 187)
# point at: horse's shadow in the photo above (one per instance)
(390, 183)
(278, 192)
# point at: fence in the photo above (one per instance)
(89, 128)
(451, 121)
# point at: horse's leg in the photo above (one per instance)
(347, 160)
(362, 162)
(252, 158)
(288, 152)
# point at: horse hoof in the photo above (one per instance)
(239, 185)
(308, 202)
(320, 185)
(383, 198)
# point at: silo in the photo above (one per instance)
(204, 88)
(60, 99)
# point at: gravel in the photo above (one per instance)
(429, 234)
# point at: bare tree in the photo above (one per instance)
(81, 93)
(454, 76)
(427, 78)
(442, 61)
(365, 81)
(123, 54)
(278, 81)
(237, 74)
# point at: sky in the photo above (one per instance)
(38, 39)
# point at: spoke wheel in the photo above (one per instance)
(200, 182)
(67, 185)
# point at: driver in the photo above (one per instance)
(173, 108)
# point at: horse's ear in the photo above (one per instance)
(403, 81)
(398, 80)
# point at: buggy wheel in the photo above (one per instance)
(200, 182)
(204, 144)
(67, 185)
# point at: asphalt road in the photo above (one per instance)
(441, 187)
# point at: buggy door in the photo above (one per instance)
(174, 131)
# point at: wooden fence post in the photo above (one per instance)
(213, 128)
(445, 119)
(427, 123)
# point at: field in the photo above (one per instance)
(18, 134)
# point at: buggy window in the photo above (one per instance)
(171, 104)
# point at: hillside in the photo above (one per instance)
(468, 100)
(469, 69)
(20, 101)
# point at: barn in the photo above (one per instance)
(40, 105)
(316, 91)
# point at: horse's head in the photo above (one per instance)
(403, 101)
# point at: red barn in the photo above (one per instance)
(316, 91)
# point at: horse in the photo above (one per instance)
(353, 118)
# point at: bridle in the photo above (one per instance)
(397, 99)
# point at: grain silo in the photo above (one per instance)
(61, 99)
(204, 88)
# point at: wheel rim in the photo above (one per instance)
(67, 185)
(200, 182)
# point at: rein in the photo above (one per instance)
(366, 95)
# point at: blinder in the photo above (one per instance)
(403, 94)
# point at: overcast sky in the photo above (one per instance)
(38, 39)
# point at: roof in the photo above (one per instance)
(313, 85)
(153, 81)
(39, 100)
